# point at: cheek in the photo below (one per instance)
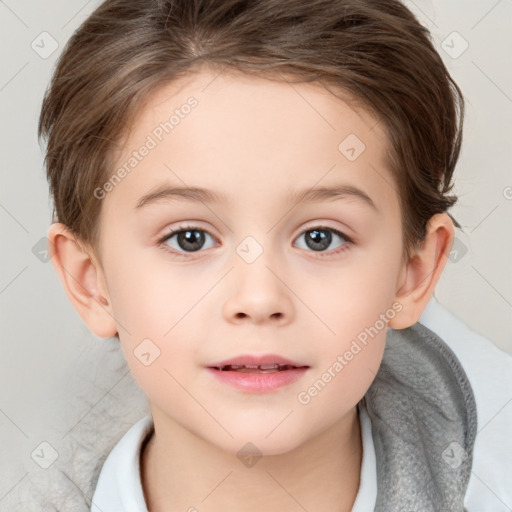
(149, 294)
(162, 366)
(155, 311)
(351, 300)
(342, 377)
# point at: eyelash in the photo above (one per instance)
(186, 227)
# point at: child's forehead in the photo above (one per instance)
(233, 91)
(240, 129)
(266, 116)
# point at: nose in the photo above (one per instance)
(258, 293)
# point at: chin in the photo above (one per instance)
(262, 439)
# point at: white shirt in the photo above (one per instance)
(489, 371)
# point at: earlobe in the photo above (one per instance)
(82, 279)
(423, 270)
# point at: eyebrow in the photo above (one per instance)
(203, 195)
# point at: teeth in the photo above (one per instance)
(269, 368)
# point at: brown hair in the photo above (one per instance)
(376, 50)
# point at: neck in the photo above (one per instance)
(180, 471)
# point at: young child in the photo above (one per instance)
(252, 198)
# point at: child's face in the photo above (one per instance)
(253, 285)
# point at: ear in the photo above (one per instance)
(421, 273)
(83, 279)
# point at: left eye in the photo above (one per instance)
(319, 238)
(191, 239)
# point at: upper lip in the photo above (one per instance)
(257, 360)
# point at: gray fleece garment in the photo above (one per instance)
(424, 423)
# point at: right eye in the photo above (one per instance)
(320, 237)
(188, 239)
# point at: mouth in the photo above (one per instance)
(258, 380)
(258, 374)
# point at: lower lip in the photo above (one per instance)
(259, 382)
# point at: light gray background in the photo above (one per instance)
(48, 353)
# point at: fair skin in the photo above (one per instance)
(255, 141)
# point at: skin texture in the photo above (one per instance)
(256, 141)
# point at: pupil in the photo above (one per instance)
(188, 237)
(321, 239)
